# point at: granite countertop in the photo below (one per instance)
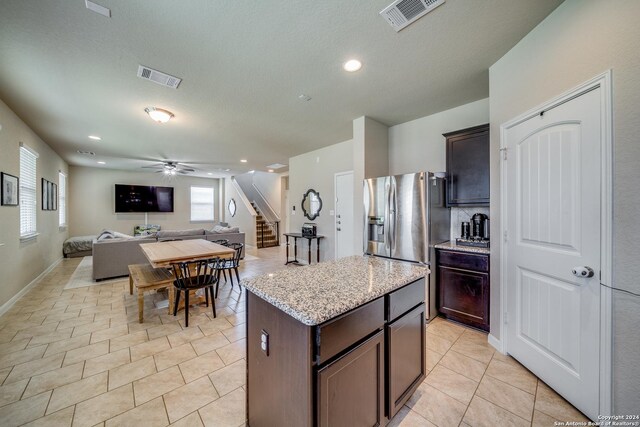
(319, 292)
(453, 247)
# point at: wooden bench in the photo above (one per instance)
(147, 278)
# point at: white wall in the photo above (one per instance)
(579, 40)
(244, 218)
(22, 262)
(269, 185)
(418, 145)
(92, 198)
(316, 170)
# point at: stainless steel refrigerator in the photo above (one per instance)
(405, 215)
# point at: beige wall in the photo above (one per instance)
(317, 170)
(579, 40)
(92, 196)
(22, 262)
(418, 145)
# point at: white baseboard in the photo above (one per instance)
(496, 343)
(7, 305)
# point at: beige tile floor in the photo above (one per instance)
(79, 357)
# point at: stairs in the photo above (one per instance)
(266, 234)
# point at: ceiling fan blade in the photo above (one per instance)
(183, 172)
(188, 169)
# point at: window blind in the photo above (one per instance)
(28, 199)
(62, 199)
(202, 204)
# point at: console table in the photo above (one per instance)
(297, 236)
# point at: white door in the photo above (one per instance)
(344, 214)
(553, 190)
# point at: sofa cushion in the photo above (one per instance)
(110, 234)
(218, 229)
(178, 233)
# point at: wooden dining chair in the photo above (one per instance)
(230, 265)
(193, 275)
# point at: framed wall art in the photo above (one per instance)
(49, 195)
(9, 190)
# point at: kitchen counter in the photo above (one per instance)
(317, 293)
(336, 343)
(451, 246)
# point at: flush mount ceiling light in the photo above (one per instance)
(102, 163)
(158, 114)
(352, 65)
(95, 138)
(243, 160)
(270, 170)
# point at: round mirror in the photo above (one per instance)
(311, 204)
(232, 207)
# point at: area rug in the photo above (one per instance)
(81, 277)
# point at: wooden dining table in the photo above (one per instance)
(163, 254)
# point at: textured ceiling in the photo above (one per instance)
(70, 73)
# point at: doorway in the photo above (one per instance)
(556, 205)
(344, 214)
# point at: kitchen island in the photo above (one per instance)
(339, 343)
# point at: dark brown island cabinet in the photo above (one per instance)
(463, 287)
(468, 166)
(356, 369)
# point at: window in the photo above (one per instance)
(62, 199)
(202, 204)
(28, 199)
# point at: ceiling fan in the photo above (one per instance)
(167, 167)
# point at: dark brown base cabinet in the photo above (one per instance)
(357, 369)
(463, 287)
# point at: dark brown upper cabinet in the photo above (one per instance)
(468, 166)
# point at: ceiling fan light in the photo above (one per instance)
(158, 114)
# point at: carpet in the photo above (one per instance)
(81, 277)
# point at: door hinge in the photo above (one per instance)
(505, 236)
(504, 153)
(506, 318)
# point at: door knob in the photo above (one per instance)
(583, 272)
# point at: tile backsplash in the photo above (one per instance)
(460, 215)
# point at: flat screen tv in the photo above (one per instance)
(142, 198)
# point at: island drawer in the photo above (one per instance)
(476, 262)
(404, 299)
(340, 333)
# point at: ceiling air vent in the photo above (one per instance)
(86, 153)
(158, 77)
(401, 13)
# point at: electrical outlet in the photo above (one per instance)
(264, 342)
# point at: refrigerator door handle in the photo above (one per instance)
(387, 216)
(392, 215)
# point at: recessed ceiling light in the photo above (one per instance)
(243, 160)
(251, 171)
(227, 170)
(102, 163)
(158, 114)
(95, 138)
(270, 170)
(209, 173)
(352, 65)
